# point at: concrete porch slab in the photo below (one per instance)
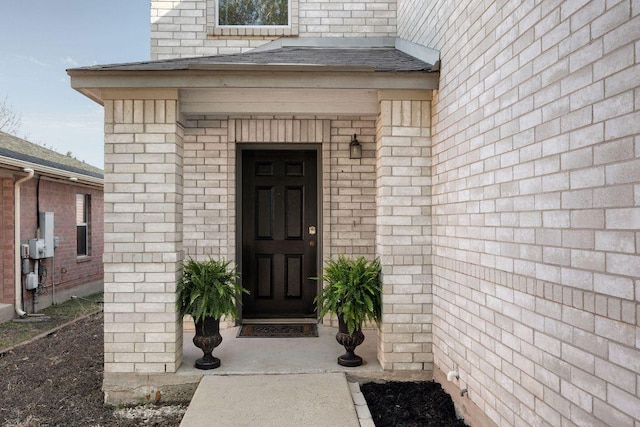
(244, 356)
(249, 356)
(272, 400)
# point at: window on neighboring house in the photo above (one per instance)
(253, 13)
(82, 224)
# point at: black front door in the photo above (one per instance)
(279, 232)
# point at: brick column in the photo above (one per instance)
(143, 233)
(403, 239)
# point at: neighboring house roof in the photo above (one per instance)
(385, 59)
(19, 149)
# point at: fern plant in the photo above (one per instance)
(353, 291)
(208, 289)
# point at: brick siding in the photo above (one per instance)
(143, 235)
(505, 210)
(536, 207)
(348, 186)
(7, 234)
(350, 196)
(403, 167)
(185, 28)
(60, 198)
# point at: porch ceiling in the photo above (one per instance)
(278, 101)
(258, 82)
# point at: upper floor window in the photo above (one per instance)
(263, 18)
(253, 13)
(82, 224)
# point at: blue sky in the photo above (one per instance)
(40, 39)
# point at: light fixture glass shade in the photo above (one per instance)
(355, 149)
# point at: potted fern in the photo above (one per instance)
(353, 293)
(208, 290)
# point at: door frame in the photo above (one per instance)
(240, 148)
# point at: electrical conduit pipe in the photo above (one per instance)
(17, 272)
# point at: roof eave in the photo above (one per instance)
(91, 83)
(53, 173)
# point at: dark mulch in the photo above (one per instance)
(410, 404)
(56, 381)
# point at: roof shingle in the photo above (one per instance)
(384, 59)
(20, 149)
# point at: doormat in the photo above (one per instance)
(297, 330)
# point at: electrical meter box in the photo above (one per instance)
(31, 281)
(46, 231)
(36, 248)
(43, 248)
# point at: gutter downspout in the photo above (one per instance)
(17, 272)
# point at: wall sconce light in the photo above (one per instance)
(355, 149)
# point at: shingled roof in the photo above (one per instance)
(384, 59)
(20, 149)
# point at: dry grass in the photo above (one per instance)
(21, 330)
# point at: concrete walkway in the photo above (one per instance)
(266, 382)
(291, 400)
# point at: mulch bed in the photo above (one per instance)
(410, 404)
(56, 380)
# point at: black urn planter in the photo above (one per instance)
(350, 342)
(207, 338)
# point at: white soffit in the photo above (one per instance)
(278, 101)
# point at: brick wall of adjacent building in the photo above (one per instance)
(185, 28)
(7, 284)
(536, 205)
(67, 270)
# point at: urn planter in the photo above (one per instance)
(208, 290)
(349, 341)
(353, 292)
(207, 338)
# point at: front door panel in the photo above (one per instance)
(279, 238)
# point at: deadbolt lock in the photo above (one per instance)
(312, 230)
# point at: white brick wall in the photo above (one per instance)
(171, 193)
(186, 28)
(143, 235)
(403, 201)
(536, 205)
(209, 179)
(343, 18)
(509, 238)
(348, 200)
